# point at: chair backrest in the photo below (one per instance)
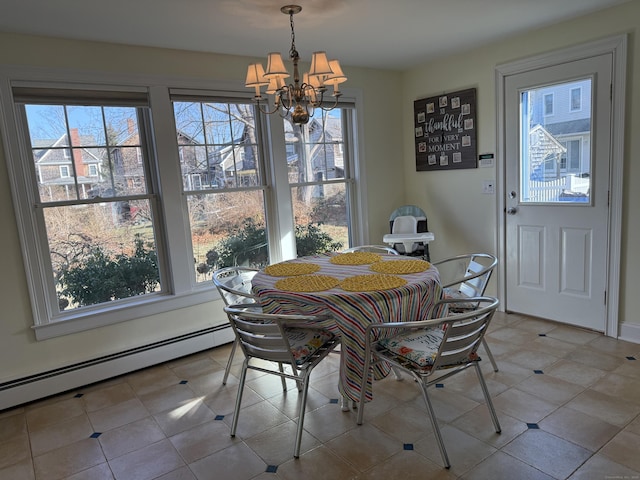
(234, 284)
(408, 210)
(477, 273)
(464, 332)
(372, 248)
(264, 335)
(405, 224)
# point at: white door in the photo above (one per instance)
(557, 151)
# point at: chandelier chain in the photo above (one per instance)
(293, 53)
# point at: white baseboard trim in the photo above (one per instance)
(630, 332)
(34, 387)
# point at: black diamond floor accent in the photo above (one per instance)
(95, 434)
(219, 417)
(538, 372)
(408, 446)
(533, 426)
(271, 469)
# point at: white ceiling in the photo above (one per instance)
(388, 34)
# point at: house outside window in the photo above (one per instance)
(64, 171)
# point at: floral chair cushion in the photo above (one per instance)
(305, 342)
(417, 347)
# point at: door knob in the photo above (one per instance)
(512, 211)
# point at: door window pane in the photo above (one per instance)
(555, 158)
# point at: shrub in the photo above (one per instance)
(248, 245)
(102, 278)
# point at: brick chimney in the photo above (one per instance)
(77, 154)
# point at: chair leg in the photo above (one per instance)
(284, 380)
(487, 397)
(301, 411)
(229, 362)
(490, 355)
(434, 424)
(397, 373)
(363, 389)
(236, 413)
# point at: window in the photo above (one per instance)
(576, 99)
(571, 158)
(219, 145)
(133, 179)
(319, 176)
(96, 230)
(548, 104)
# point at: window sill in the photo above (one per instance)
(102, 317)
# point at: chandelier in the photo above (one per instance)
(301, 97)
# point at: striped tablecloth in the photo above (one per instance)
(353, 311)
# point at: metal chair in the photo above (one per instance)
(299, 341)
(477, 268)
(383, 249)
(431, 351)
(234, 286)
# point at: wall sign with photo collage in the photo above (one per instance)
(445, 131)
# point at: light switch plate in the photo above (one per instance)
(488, 187)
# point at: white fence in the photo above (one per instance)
(550, 190)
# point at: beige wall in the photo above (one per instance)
(458, 211)
(20, 353)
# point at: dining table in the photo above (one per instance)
(355, 290)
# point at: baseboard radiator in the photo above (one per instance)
(34, 387)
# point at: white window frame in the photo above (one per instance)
(64, 171)
(182, 290)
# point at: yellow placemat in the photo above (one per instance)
(373, 282)
(355, 258)
(307, 283)
(289, 269)
(401, 267)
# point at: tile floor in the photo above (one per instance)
(568, 401)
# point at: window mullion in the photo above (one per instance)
(174, 207)
(282, 239)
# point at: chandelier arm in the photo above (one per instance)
(335, 104)
(266, 111)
